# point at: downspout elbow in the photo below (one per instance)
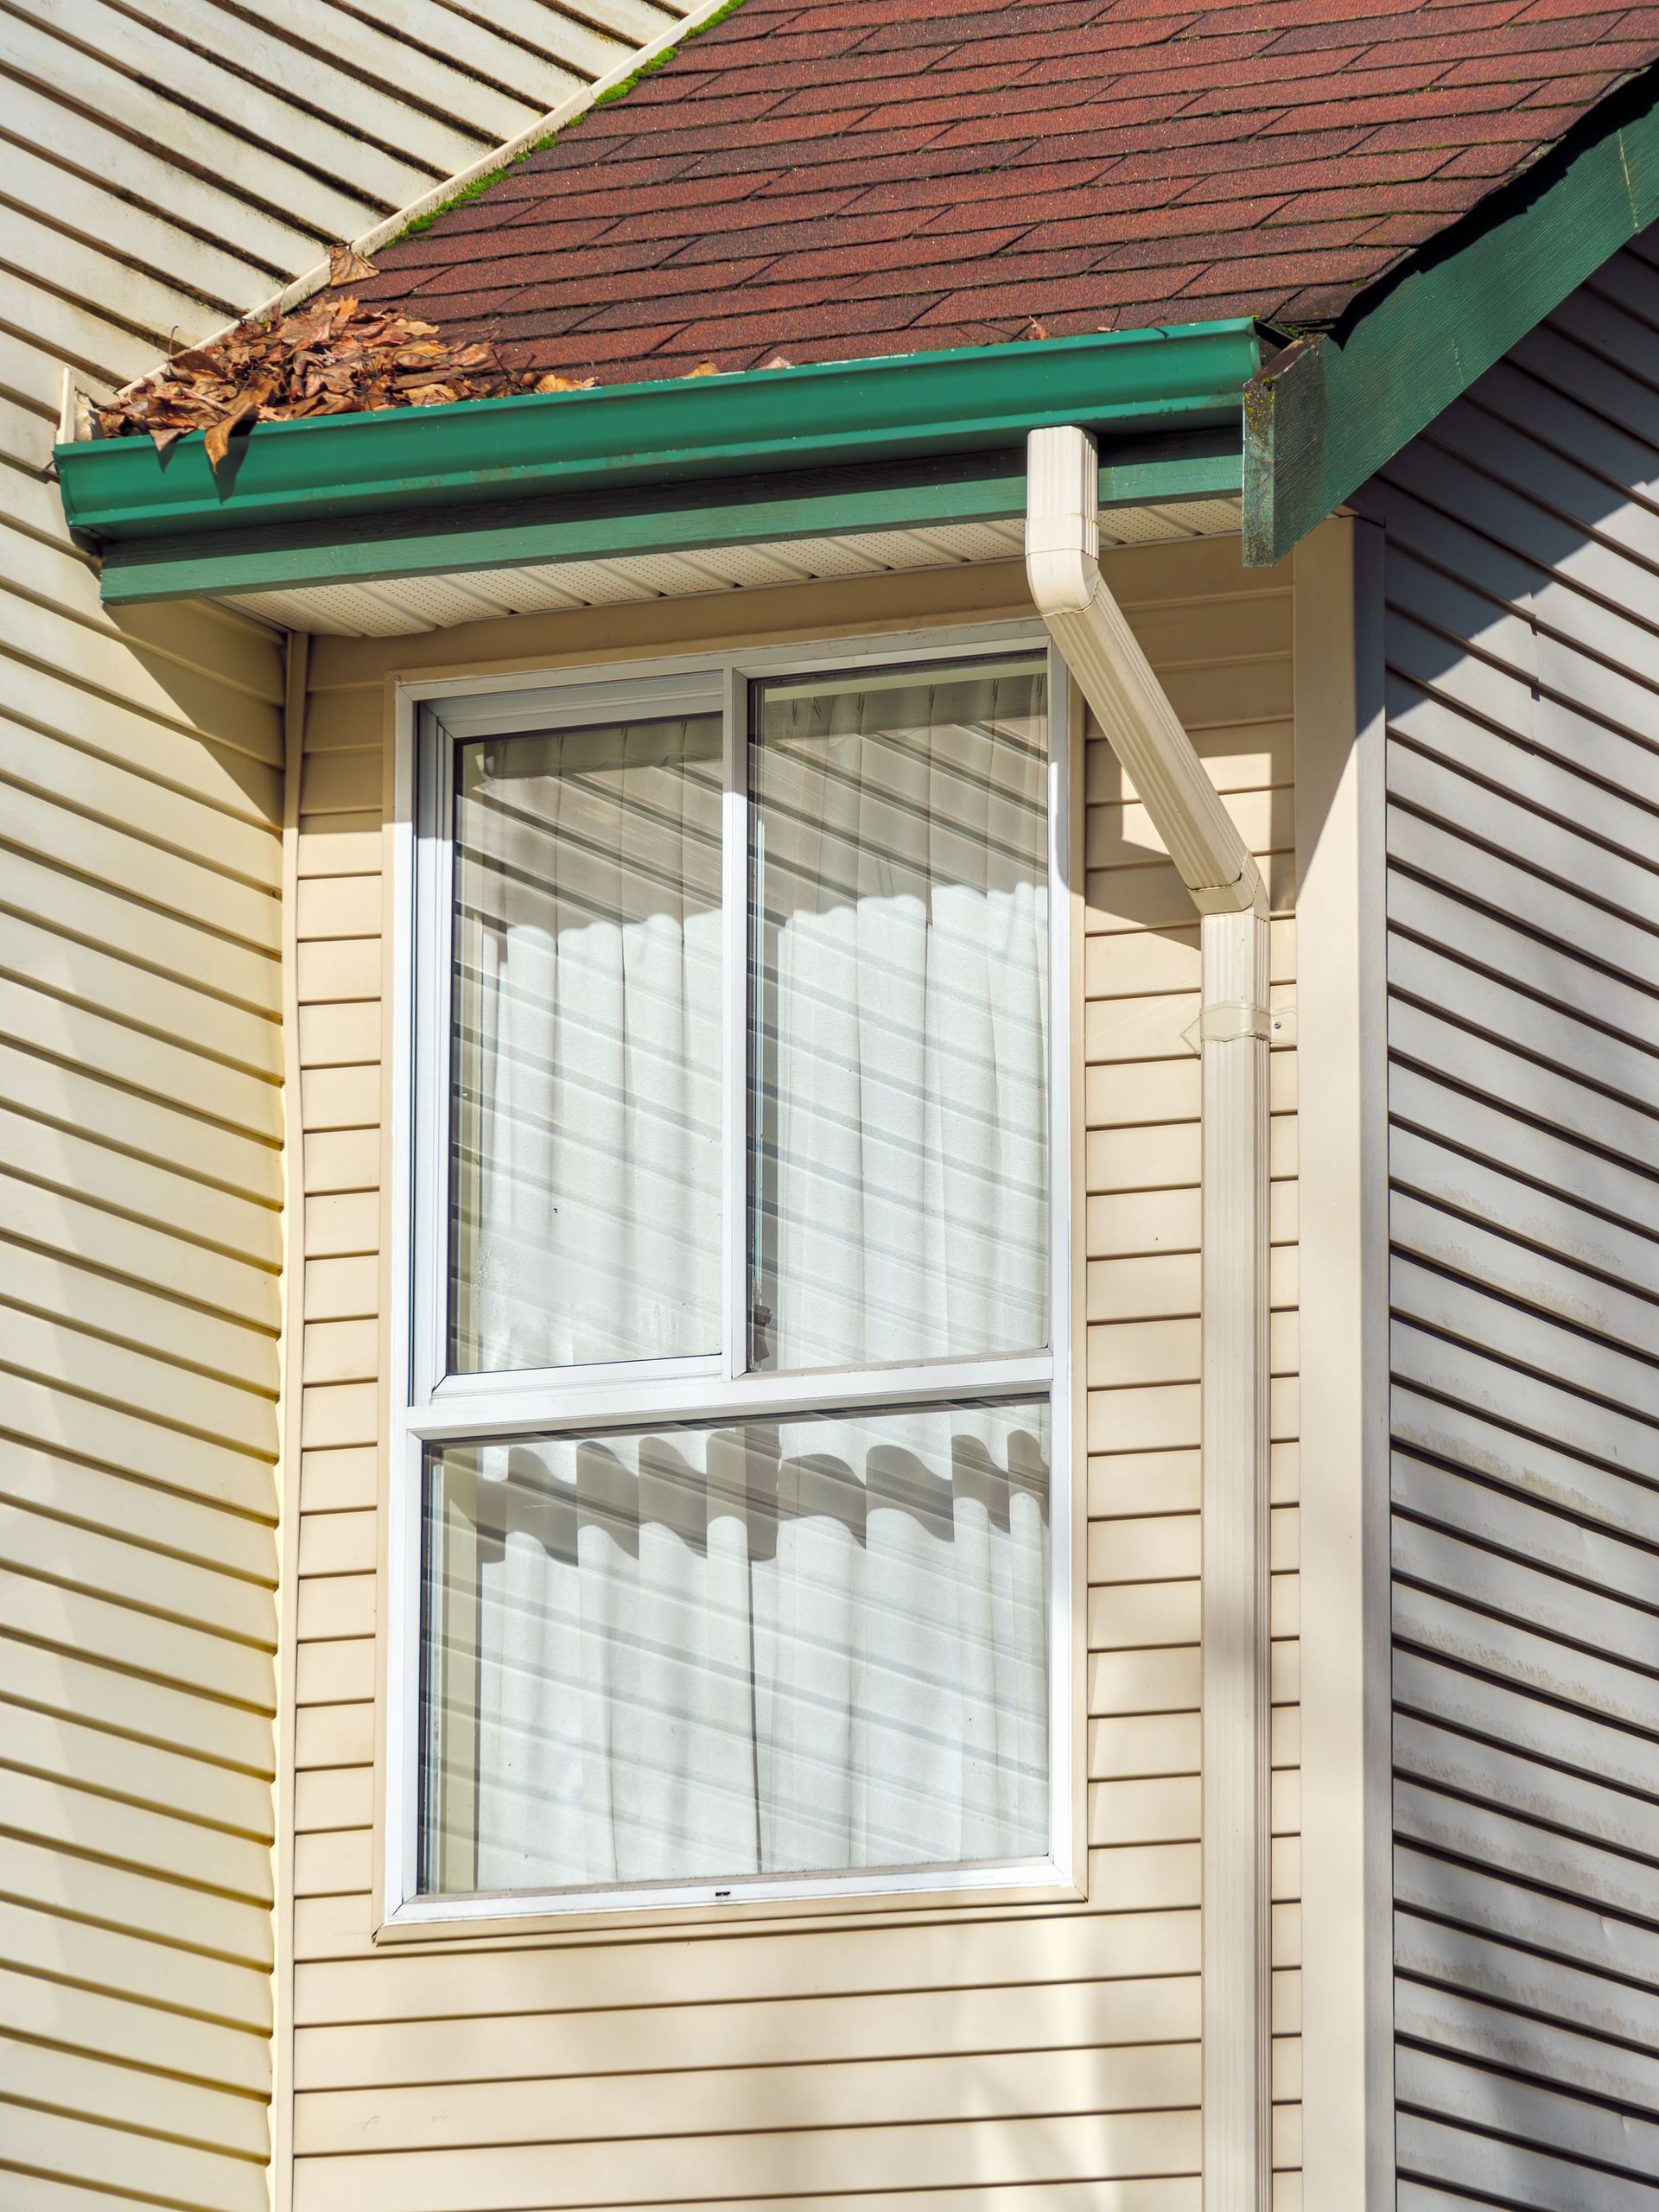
(1063, 570)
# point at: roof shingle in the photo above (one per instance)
(832, 178)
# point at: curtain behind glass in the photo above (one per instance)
(587, 1008)
(703, 1654)
(901, 1017)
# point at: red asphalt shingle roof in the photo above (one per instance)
(828, 178)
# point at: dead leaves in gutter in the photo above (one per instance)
(331, 357)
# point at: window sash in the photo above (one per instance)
(431, 1405)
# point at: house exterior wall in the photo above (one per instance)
(1523, 678)
(166, 168)
(1002, 2056)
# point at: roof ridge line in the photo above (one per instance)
(311, 280)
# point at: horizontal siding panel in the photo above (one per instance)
(130, 1966)
(116, 988)
(62, 1815)
(159, 1713)
(1484, 1903)
(116, 1897)
(230, 1103)
(85, 1168)
(179, 763)
(63, 798)
(997, 2153)
(142, 2102)
(1445, 2021)
(1566, 2127)
(105, 2160)
(1506, 1974)
(491, 2049)
(124, 1635)
(834, 1962)
(919, 2089)
(1537, 1406)
(146, 2036)
(227, 1292)
(84, 1294)
(151, 1386)
(1523, 2176)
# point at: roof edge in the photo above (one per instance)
(331, 475)
(1329, 410)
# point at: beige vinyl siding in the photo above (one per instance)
(992, 2057)
(1522, 642)
(162, 168)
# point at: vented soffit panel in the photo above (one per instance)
(402, 605)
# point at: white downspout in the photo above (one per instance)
(1062, 561)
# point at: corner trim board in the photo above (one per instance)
(1347, 1904)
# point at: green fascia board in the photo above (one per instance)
(680, 517)
(339, 468)
(1326, 413)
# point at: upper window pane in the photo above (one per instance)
(585, 1137)
(900, 1048)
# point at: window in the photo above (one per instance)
(731, 1529)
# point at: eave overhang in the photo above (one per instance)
(891, 443)
(1329, 410)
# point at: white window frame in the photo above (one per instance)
(428, 1407)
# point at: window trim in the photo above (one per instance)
(427, 1406)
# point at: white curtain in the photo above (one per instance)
(902, 1037)
(587, 1015)
(701, 1654)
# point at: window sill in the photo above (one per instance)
(876, 1900)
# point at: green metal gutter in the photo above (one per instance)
(1330, 410)
(899, 441)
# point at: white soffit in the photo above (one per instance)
(400, 606)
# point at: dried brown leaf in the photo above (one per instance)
(553, 383)
(347, 267)
(704, 368)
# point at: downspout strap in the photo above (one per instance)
(1229, 1021)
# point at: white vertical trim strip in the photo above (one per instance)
(396, 1866)
(288, 1414)
(1064, 1486)
(735, 1002)
(1347, 1974)
(1238, 2134)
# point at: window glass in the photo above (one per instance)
(585, 1144)
(698, 1654)
(900, 1046)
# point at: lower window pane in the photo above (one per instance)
(699, 1654)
